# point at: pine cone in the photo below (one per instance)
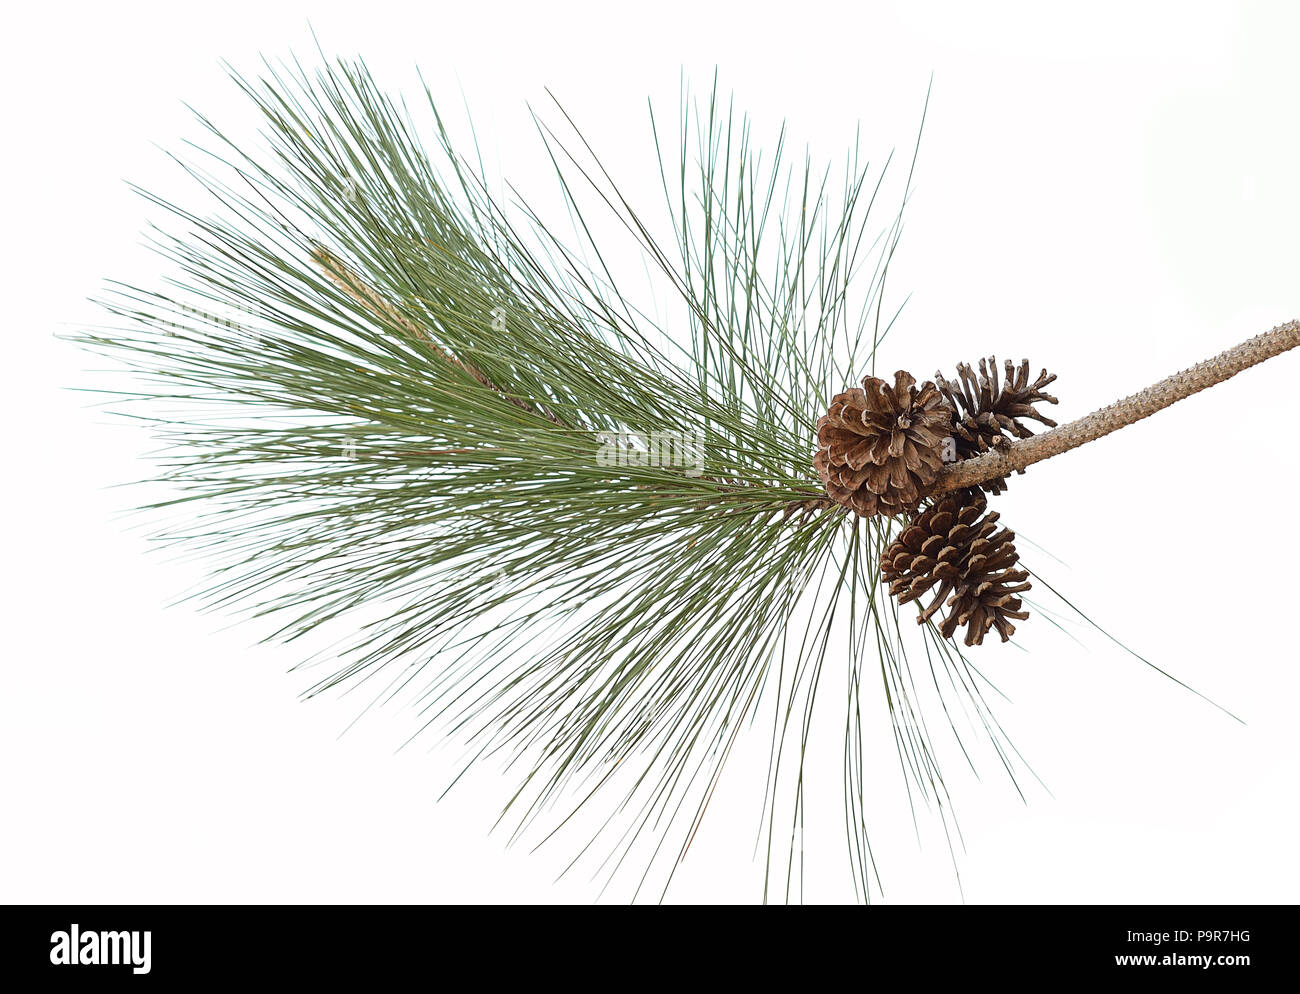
(971, 563)
(986, 416)
(880, 447)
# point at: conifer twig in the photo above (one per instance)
(1025, 452)
(372, 300)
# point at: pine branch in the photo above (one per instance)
(1025, 452)
(377, 304)
(343, 458)
(370, 298)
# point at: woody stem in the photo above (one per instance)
(1142, 404)
(373, 301)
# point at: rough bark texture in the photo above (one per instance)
(1143, 404)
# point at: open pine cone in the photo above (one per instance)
(967, 561)
(987, 415)
(880, 447)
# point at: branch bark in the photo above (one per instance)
(1142, 404)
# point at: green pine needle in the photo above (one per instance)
(404, 449)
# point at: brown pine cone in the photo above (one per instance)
(966, 560)
(987, 415)
(880, 447)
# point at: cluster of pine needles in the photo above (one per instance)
(382, 390)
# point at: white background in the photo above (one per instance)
(1108, 190)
